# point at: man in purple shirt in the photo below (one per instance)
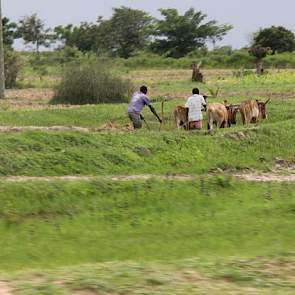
(138, 101)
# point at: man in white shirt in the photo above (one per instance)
(195, 105)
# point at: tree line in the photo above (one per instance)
(124, 34)
(129, 31)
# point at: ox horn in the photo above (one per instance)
(267, 101)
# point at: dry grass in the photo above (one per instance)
(169, 84)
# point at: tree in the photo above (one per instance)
(2, 75)
(12, 67)
(9, 32)
(279, 39)
(125, 33)
(82, 37)
(177, 35)
(32, 30)
(259, 53)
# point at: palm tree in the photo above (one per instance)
(2, 76)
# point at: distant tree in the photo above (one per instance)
(12, 67)
(126, 32)
(177, 35)
(64, 34)
(259, 53)
(32, 30)
(279, 39)
(9, 32)
(81, 37)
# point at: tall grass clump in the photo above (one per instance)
(91, 83)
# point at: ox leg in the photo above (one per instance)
(222, 125)
(178, 124)
(243, 118)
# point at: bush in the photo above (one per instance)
(91, 83)
(12, 67)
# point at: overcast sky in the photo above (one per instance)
(245, 15)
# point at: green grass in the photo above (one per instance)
(57, 224)
(95, 116)
(107, 153)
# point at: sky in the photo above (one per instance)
(247, 16)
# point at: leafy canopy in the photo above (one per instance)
(177, 35)
(126, 32)
(82, 37)
(32, 30)
(9, 32)
(279, 39)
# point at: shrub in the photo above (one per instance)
(66, 55)
(39, 65)
(12, 67)
(91, 83)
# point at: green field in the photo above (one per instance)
(211, 234)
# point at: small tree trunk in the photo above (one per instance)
(197, 76)
(2, 75)
(259, 67)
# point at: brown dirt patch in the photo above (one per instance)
(5, 289)
(286, 165)
(266, 177)
(29, 96)
(84, 292)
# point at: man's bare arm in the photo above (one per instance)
(155, 113)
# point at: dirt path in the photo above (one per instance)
(105, 127)
(266, 177)
(5, 289)
(178, 177)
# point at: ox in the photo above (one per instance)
(218, 115)
(232, 110)
(181, 115)
(252, 111)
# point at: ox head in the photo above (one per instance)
(205, 106)
(232, 110)
(262, 108)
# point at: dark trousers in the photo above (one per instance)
(135, 119)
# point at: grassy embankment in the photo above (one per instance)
(47, 225)
(168, 151)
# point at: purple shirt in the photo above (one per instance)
(138, 101)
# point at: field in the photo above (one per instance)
(90, 207)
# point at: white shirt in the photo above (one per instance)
(195, 104)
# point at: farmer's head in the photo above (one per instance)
(144, 89)
(196, 91)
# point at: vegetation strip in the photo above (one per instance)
(263, 177)
(189, 276)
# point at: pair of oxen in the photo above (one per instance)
(223, 115)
